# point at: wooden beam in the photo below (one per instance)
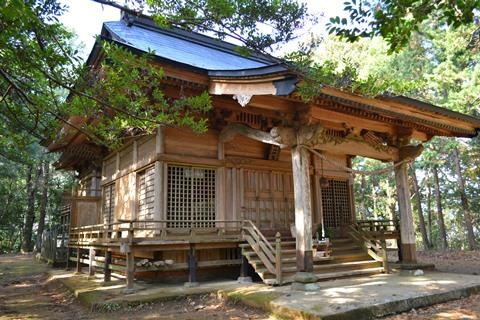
(356, 148)
(230, 131)
(303, 208)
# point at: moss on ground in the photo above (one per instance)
(24, 266)
(252, 297)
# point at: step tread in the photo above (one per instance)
(251, 252)
(349, 255)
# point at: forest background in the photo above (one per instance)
(430, 57)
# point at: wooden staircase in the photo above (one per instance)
(348, 258)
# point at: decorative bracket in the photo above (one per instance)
(242, 99)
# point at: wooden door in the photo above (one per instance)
(146, 194)
(108, 206)
(336, 205)
(268, 199)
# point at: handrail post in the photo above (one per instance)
(385, 256)
(278, 257)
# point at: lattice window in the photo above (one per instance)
(146, 194)
(108, 207)
(190, 197)
(336, 205)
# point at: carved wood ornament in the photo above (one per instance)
(317, 136)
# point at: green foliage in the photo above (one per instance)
(257, 24)
(39, 66)
(445, 73)
(44, 84)
(397, 20)
(128, 86)
(14, 197)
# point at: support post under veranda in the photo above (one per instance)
(192, 268)
(79, 266)
(129, 260)
(91, 262)
(107, 272)
(130, 269)
(67, 262)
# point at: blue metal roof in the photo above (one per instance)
(176, 47)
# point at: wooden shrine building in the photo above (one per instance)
(261, 187)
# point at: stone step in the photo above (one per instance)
(350, 265)
(349, 273)
(330, 268)
(353, 256)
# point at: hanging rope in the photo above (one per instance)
(353, 171)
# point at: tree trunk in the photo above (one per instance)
(441, 222)
(429, 212)
(363, 210)
(43, 203)
(465, 206)
(374, 202)
(421, 219)
(27, 243)
(390, 201)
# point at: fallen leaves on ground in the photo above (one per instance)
(455, 261)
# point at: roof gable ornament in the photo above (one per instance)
(242, 98)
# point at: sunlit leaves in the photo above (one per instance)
(256, 24)
(396, 20)
(129, 99)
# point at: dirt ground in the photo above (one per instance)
(453, 261)
(26, 293)
(449, 261)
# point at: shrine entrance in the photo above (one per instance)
(336, 206)
(269, 200)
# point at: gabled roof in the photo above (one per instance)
(230, 73)
(188, 48)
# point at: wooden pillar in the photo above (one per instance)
(192, 267)
(91, 260)
(67, 263)
(303, 208)
(130, 272)
(220, 187)
(407, 231)
(159, 182)
(244, 268)
(79, 267)
(107, 273)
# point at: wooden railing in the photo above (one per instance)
(270, 257)
(376, 248)
(148, 230)
(384, 228)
